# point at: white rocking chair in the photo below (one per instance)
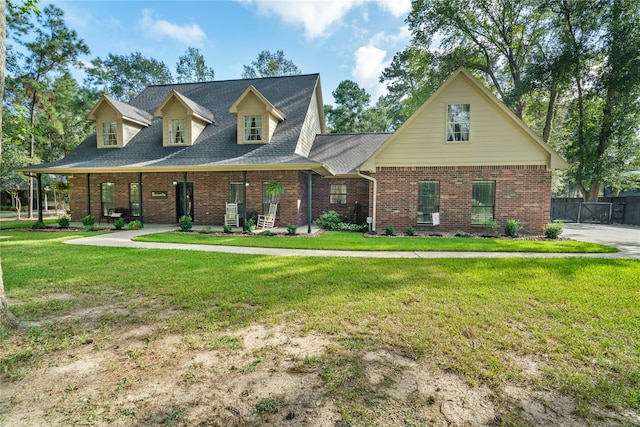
(268, 220)
(231, 215)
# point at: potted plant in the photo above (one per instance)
(274, 189)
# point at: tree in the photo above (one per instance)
(6, 317)
(50, 54)
(352, 113)
(598, 47)
(123, 77)
(270, 65)
(191, 67)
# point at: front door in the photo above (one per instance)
(180, 200)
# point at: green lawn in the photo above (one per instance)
(578, 317)
(336, 240)
(11, 224)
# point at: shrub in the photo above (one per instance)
(37, 225)
(205, 230)
(343, 226)
(489, 227)
(389, 230)
(410, 231)
(88, 221)
(553, 229)
(227, 229)
(64, 221)
(512, 228)
(118, 223)
(134, 225)
(185, 223)
(329, 220)
(266, 233)
(250, 224)
(292, 229)
(460, 233)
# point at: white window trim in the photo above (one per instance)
(255, 133)
(109, 138)
(173, 131)
(450, 129)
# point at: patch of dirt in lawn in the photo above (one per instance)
(259, 375)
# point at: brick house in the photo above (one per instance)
(190, 148)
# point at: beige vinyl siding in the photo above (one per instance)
(174, 110)
(106, 114)
(493, 139)
(310, 128)
(273, 123)
(251, 105)
(197, 126)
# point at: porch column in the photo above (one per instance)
(88, 194)
(244, 197)
(39, 181)
(140, 197)
(309, 173)
(184, 194)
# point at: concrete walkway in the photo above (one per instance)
(626, 239)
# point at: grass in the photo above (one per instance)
(577, 317)
(15, 224)
(336, 240)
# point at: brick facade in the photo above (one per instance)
(211, 192)
(355, 210)
(522, 193)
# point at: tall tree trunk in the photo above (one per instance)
(6, 317)
(591, 195)
(546, 132)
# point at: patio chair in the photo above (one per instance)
(231, 215)
(268, 220)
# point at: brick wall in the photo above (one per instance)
(522, 193)
(357, 191)
(211, 192)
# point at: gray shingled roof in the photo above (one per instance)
(130, 111)
(217, 144)
(196, 108)
(217, 147)
(344, 153)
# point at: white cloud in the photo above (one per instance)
(371, 60)
(396, 7)
(369, 64)
(318, 17)
(153, 27)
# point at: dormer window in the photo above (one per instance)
(177, 129)
(253, 128)
(109, 134)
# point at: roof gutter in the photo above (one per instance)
(375, 198)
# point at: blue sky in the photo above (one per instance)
(340, 39)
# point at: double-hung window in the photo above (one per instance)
(107, 197)
(177, 131)
(338, 194)
(428, 201)
(253, 128)
(109, 134)
(458, 122)
(483, 202)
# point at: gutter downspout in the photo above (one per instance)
(375, 198)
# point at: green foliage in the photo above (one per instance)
(250, 224)
(274, 188)
(126, 76)
(191, 67)
(88, 221)
(343, 226)
(328, 220)
(270, 65)
(269, 405)
(489, 227)
(389, 230)
(410, 231)
(37, 225)
(352, 113)
(134, 225)
(512, 228)
(553, 229)
(118, 223)
(227, 229)
(64, 221)
(185, 223)
(266, 233)
(292, 229)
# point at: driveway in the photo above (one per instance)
(626, 239)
